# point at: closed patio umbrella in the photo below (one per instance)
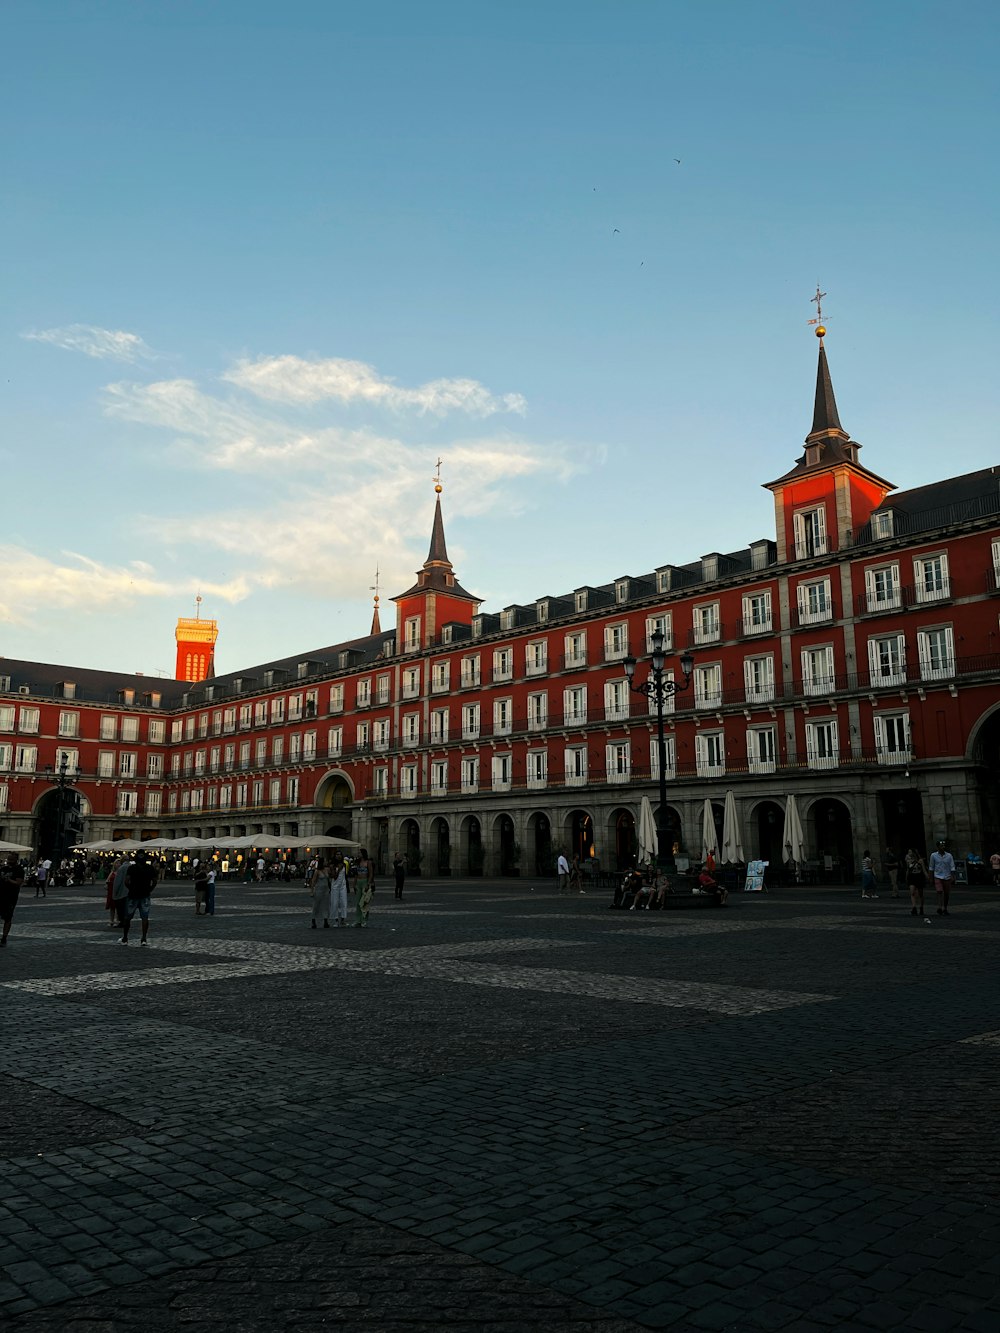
(732, 848)
(648, 841)
(709, 837)
(792, 838)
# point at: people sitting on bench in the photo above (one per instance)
(706, 884)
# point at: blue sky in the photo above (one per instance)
(263, 264)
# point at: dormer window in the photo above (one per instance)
(506, 620)
(477, 627)
(663, 580)
(813, 452)
(411, 633)
(810, 533)
(302, 670)
(882, 524)
(621, 591)
(447, 633)
(580, 600)
(541, 612)
(709, 567)
(67, 689)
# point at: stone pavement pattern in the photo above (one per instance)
(499, 1109)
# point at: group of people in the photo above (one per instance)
(939, 869)
(640, 892)
(130, 884)
(570, 876)
(329, 882)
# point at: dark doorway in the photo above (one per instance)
(510, 852)
(625, 839)
(833, 839)
(581, 835)
(770, 824)
(902, 822)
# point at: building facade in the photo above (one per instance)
(851, 659)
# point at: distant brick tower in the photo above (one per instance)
(195, 647)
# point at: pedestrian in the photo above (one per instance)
(109, 897)
(210, 892)
(41, 875)
(576, 876)
(140, 882)
(562, 870)
(338, 893)
(119, 889)
(320, 888)
(399, 873)
(891, 863)
(942, 868)
(995, 867)
(868, 876)
(200, 889)
(260, 869)
(11, 879)
(916, 881)
(364, 887)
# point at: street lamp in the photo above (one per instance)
(660, 690)
(61, 777)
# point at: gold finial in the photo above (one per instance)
(437, 477)
(818, 321)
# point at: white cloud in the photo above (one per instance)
(103, 344)
(291, 379)
(34, 583)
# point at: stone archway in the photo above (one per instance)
(832, 837)
(624, 839)
(539, 856)
(506, 849)
(580, 828)
(984, 752)
(335, 797)
(768, 824)
(409, 836)
(470, 842)
(675, 827)
(439, 847)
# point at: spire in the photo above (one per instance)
(437, 574)
(825, 410)
(376, 627)
(438, 553)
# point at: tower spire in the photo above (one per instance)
(376, 627)
(438, 553)
(826, 419)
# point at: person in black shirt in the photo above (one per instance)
(140, 882)
(11, 879)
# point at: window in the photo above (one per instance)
(275, 791)
(241, 794)
(211, 798)
(72, 758)
(503, 663)
(25, 758)
(580, 600)
(708, 686)
(707, 628)
(470, 670)
(294, 709)
(7, 717)
(6, 756)
(109, 727)
(670, 755)
(380, 781)
(440, 677)
(470, 722)
(172, 802)
(615, 642)
(294, 748)
(575, 704)
(260, 713)
(309, 745)
(892, 738)
(362, 736)
(4, 794)
(225, 797)
(665, 624)
(154, 766)
(930, 576)
(936, 650)
(293, 791)
(197, 799)
(127, 764)
(809, 527)
(815, 602)
(334, 741)
(439, 724)
(507, 619)
(576, 649)
(817, 670)
(501, 772)
(244, 754)
(411, 683)
(576, 765)
(669, 700)
(337, 698)
(188, 729)
(411, 728)
(176, 731)
(380, 734)
(363, 694)
(278, 710)
(203, 724)
(128, 802)
(887, 659)
(710, 754)
(538, 768)
(189, 762)
(538, 711)
(760, 750)
(616, 700)
(259, 755)
(882, 588)
(157, 731)
(470, 774)
(229, 756)
(154, 801)
(229, 721)
(758, 679)
(69, 724)
(882, 524)
(503, 717)
(411, 633)
(106, 763)
(213, 759)
(541, 612)
(996, 563)
(757, 613)
(618, 761)
(217, 723)
(28, 721)
(175, 766)
(821, 744)
(382, 689)
(621, 590)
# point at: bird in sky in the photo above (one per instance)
(616, 232)
(677, 160)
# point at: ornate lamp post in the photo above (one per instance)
(61, 777)
(658, 689)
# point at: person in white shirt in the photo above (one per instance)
(942, 868)
(562, 870)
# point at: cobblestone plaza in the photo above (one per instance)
(501, 1109)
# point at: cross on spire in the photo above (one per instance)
(437, 476)
(817, 301)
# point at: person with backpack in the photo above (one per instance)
(140, 881)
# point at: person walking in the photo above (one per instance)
(942, 868)
(41, 875)
(109, 897)
(576, 876)
(338, 895)
(916, 881)
(119, 890)
(868, 876)
(210, 892)
(562, 870)
(364, 887)
(140, 882)
(891, 863)
(11, 879)
(399, 874)
(320, 888)
(200, 889)
(995, 868)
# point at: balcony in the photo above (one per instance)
(705, 634)
(751, 625)
(573, 661)
(818, 613)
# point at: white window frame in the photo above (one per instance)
(822, 743)
(501, 768)
(758, 678)
(664, 622)
(439, 725)
(335, 742)
(109, 727)
(887, 659)
(537, 768)
(710, 754)
(893, 744)
(69, 725)
(707, 624)
(337, 698)
(617, 700)
(618, 761)
(575, 704)
(471, 671)
(809, 532)
(575, 765)
(933, 664)
(708, 685)
(411, 682)
(757, 615)
(816, 591)
(575, 646)
(411, 728)
(470, 773)
(670, 754)
(503, 716)
(439, 777)
(127, 803)
(536, 657)
(616, 641)
(411, 634)
(761, 749)
(440, 677)
(503, 664)
(818, 678)
(380, 733)
(538, 711)
(931, 579)
(471, 722)
(883, 591)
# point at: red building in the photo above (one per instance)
(851, 659)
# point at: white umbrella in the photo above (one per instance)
(102, 845)
(732, 848)
(792, 838)
(709, 837)
(321, 840)
(13, 847)
(648, 841)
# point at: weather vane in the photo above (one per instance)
(817, 300)
(437, 477)
(374, 586)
